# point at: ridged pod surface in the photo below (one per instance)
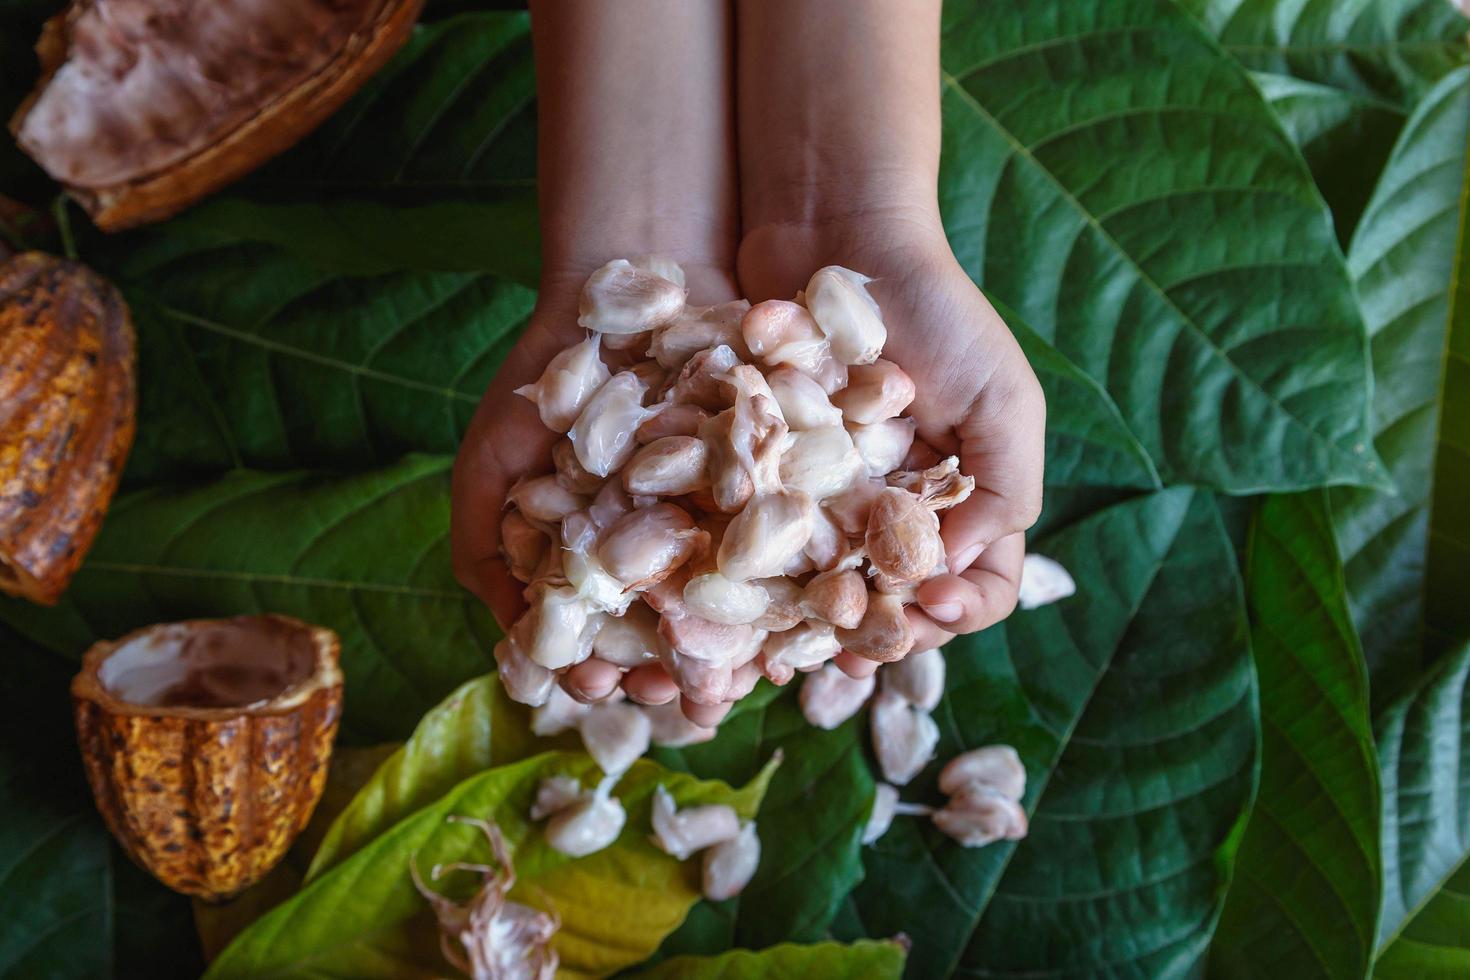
(208, 799)
(67, 403)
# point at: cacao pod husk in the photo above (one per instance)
(207, 795)
(67, 403)
(150, 105)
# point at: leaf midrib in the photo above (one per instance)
(131, 568)
(277, 347)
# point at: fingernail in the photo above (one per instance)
(944, 612)
(965, 558)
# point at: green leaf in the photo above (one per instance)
(1426, 827)
(366, 555)
(1394, 50)
(1433, 943)
(72, 906)
(255, 359)
(811, 823)
(1446, 616)
(250, 357)
(865, 960)
(1403, 257)
(1304, 900)
(1133, 707)
(1087, 441)
(1345, 139)
(430, 166)
(476, 727)
(1112, 176)
(364, 918)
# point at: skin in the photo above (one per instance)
(836, 146)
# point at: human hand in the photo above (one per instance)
(976, 396)
(507, 440)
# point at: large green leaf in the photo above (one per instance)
(1393, 50)
(1116, 179)
(476, 727)
(1425, 930)
(1426, 826)
(1447, 615)
(72, 906)
(1304, 901)
(865, 960)
(1087, 441)
(366, 555)
(250, 357)
(1433, 943)
(1403, 257)
(811, 823)
(1344, 137)
(430, 166)
(364, 919)
(1132, 705)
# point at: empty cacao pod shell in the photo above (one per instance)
(146, 106)
(206, 743)
(66, 417)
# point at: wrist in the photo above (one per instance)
(873, 240)
(814, 188)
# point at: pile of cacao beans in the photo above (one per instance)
(738, 493)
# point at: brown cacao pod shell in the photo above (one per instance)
(66, 417)
(219, 150)
(207, 797)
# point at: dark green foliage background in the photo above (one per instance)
(1230, 235)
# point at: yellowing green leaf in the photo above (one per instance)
(811, 819)
(475, 728)
(364, 919)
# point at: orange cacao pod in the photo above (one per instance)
(66, 417)
(206, 743)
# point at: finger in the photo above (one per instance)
(591, 680)
(481, 480)
(505, 439)
(1002, 445)
(854, 666)
(650, 684)
(927, 634)
(704, 715)
(477, 494)
(983, 595)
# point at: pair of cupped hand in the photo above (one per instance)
(977, 398)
